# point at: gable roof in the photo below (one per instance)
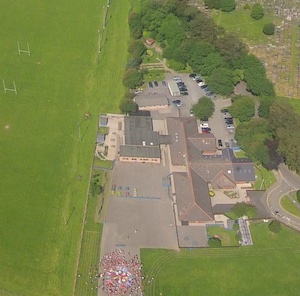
(192, 202)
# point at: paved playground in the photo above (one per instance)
(140, 212)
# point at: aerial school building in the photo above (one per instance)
(141, 143)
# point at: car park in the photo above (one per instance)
(155, 83)
(164, 83)
(150, 84)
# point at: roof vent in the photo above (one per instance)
(144, 143)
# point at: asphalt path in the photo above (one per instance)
(287, 181)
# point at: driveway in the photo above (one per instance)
(217, 124)
(287, 181)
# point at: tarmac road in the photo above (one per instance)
(287, 181)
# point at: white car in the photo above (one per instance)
(204, 125)
(201, 83)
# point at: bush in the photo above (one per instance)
(175, 65)
(204, 108)
(247, 7)
(257, 12)
(269, 29)
(227, 5)
(128, 106)
(133, 78)
(274, 226)
(214, 242)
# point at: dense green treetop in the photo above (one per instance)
(257, 11)
(221, 81)
(243, 108)
(204, 108)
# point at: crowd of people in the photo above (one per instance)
(121, 276)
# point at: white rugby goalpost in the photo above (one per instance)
(6, 89)
(26, 51)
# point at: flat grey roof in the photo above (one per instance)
(139, 151)
(173, 86)
(139, 131)
(100, 138)
(151, 100)
(103, 120)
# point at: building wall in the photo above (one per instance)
(139, 159)
(156, 107)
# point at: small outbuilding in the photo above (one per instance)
(173, 88)
(150, 41)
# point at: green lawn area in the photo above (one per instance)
(41, 153)
(240, 22)
(289, 206)
(153, 75)
(268, 265)
(264, 178)
(227, 237)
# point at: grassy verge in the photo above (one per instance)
(289, 206)
(86, 282)
(264, 178)
(227, 237)
(103, 163)
(227, 271)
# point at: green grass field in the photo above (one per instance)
(227, 237)
(266, 268)
(41, 154)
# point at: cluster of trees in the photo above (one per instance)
(190, 37)
(96, 187)
(223, 5)
(273, 136)
(241, 209)
(204, 108)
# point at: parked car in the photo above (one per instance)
(220, 144)
(184, 93)
(224, 110)
(229, 121)
(197, 77)
(180, 83)
(225, 115)
(178, 103)
(203, 86)
(182, 88)
(209, 94)
(191, 112)
(198, 80)
(164, 83)
(150, 84)
(206, 130)
(201, 83)
(192, 75)
(230, 127)
(177, 78)
(204, 124)
(155, 83)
